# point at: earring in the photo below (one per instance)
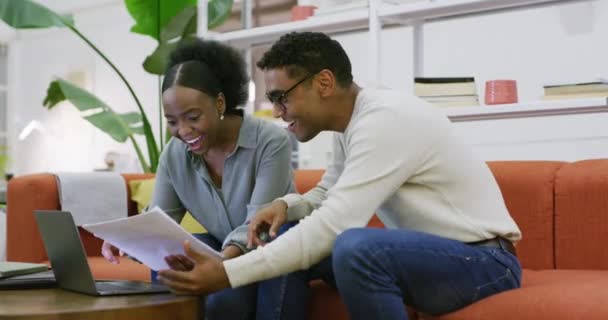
(222, 116)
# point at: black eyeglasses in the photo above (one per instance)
(279, 97)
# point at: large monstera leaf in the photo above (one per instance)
(26, 14)
(171, 21)
(118, 126)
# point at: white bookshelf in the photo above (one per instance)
(443, 9)
(470, 120)
(527, 110)
(358, 19)
(355, 20)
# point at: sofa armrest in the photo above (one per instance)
(39, 192)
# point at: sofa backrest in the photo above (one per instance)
(527, 188)
(39, 192)
(581, 215)
(561, 208)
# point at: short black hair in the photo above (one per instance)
(210, 67)
(308, 52)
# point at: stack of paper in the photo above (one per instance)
(148, 237)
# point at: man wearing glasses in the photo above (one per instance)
(449, 237)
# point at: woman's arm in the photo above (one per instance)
(164, 195)
(274, 179)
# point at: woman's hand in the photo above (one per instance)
(108, 254)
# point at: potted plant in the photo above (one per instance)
(167, 21)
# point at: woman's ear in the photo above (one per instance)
(221, 103)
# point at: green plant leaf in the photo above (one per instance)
(118, 126)
(156, 63)
(151, 16)
(26, 14)
(180, 27)
(218, 11)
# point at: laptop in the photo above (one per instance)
(69, 262)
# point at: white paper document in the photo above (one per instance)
(148, 237)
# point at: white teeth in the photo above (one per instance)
(193, 140)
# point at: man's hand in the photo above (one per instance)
(206, 276)
(267, 220)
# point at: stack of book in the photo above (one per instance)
(447, 92)
(577, 90)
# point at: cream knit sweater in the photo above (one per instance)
(400, 158)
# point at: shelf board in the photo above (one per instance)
(334, 23)
(438, 9)
(357, 19)
(527, 110)
(331, 23)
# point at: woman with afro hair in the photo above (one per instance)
(221, 166)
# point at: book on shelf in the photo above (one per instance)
(444, 86)
(11, 269)
(582, 95)
(452, 100)
(600, 86)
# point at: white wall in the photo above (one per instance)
(37, 57)
(564, 42)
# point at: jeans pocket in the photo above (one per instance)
(506, 281)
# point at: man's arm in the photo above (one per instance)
(299, 206)
(380, 159)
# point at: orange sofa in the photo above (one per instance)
(562, 209)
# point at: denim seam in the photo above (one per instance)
(497, 280)
(375, 293)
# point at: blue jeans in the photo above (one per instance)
(284, 297)
(378, 270)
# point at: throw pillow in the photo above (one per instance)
(141, 193)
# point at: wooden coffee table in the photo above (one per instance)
(60, 304)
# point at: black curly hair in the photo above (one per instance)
(210, 67)
(308, 53)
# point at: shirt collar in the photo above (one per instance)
(247, 133)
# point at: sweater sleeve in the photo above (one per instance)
(380, 159)
(299, 206)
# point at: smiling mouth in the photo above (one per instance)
(195, 143)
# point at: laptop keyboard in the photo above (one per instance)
(114, 286)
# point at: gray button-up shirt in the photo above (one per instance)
(255, 173)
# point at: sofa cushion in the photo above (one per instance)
(546, 294)
(127, 269)
(527, 187)
(581, 215)
(326, 304)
